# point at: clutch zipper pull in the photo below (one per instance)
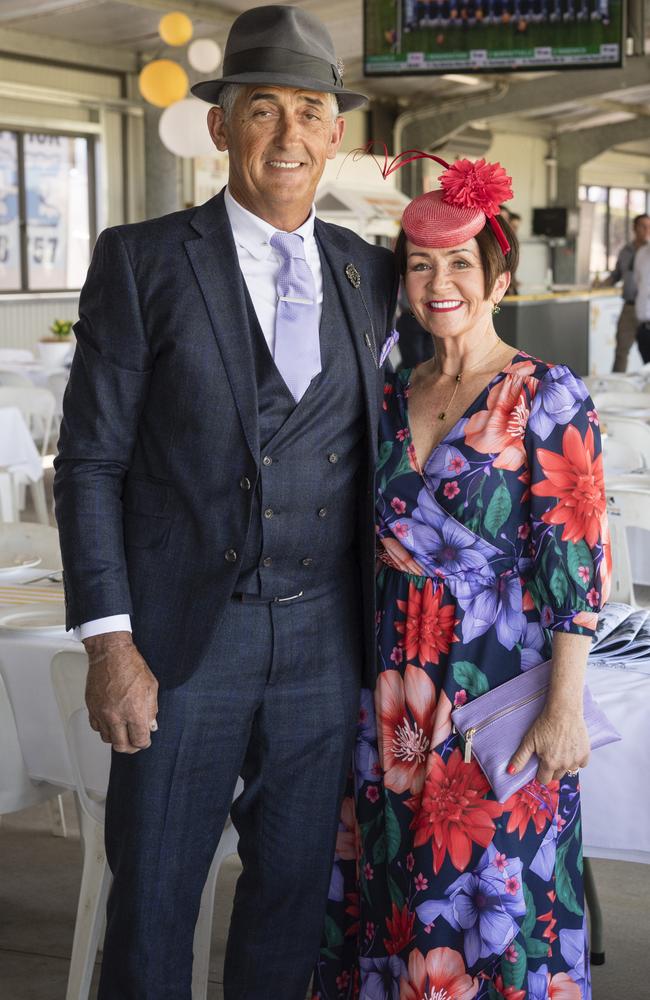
(469, 736)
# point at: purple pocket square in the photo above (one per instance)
(389, 344)
(494, 724)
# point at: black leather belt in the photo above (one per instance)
(254, 599)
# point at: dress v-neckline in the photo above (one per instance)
(464, 415)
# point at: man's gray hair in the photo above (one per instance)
(230, 92)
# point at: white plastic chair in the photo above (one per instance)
(84, 747)
(633, 432)
(614, 382)
(620, 457)
(37, 407)
(56, 383)
(15, 355)
(15, 379)
(622, 400)
(628, 506)
(25, 539)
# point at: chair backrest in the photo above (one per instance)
(56, 383)
(89, 757)
(37, 407)
(622, 400)
(633, 432)
(621, 456)
(627, 507)
(14, 378)
(15, 355)
(26, 539)
(17, 790)
(614, 382)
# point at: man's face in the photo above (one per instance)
(642, 229)
(278, 140)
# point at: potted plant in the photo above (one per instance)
(54, 350)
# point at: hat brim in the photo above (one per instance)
(209, 90)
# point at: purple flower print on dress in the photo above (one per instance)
(441, 544)
(557, 400)
(543, 864)
(366, 756)
(336, 889)
(538, 984)
(380, 978)
(492, 601)
(446, 462)
(534, 642)
(485, 904)
(573, 947)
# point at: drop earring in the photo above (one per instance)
(496, 309)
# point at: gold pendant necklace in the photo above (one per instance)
(443, 413)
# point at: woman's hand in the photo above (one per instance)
(560, 740)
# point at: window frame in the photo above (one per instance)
(91, 141)
(585, 188)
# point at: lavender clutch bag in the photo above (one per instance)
(494, 724)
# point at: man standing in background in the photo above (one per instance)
(642, 304)
(626, 329)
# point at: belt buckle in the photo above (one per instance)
(286, 600)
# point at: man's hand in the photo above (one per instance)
(121, 692)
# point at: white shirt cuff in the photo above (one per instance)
(99, 626)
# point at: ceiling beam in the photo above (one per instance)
(55, 50)
(434, 124)
(193, 8)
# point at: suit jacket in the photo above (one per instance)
(160, 427)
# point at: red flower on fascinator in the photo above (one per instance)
(476, 185)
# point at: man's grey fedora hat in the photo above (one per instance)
(284, 47)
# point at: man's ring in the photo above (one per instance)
(572, 774)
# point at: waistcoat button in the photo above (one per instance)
(307, 562)
(230, 555)
(268, 513)
(245, 483)
(267, 460)
(267, 561)
(322, 512)
(333, 458)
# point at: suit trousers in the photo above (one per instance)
(276, 702)
(626, 333)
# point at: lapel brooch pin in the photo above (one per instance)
(353, 275)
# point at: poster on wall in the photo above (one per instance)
(46, 171)
(9, 221)
(411, 37)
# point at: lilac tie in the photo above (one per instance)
(297, 344)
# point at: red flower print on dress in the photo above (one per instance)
(460, 698)
(593, 417)
(500, 429)
(413, 458)
(346, 838)
(400, 530)
(402, 434)
(534, 802)
(429, 628)
(575, 479)
(456, 465)
(453, 813)
(508, 992)
(398, 506)
(439, 973)
(421, 883)
(584, 573)
(562, 987)
(405, 709)
(451, 490)
(593, 597)
(400, 928)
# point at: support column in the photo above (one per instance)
(163, 177)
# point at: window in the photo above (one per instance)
(614, 209)
(47, 210)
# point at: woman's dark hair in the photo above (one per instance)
(492, 257)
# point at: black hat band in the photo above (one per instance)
(277, 60)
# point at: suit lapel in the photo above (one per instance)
(214, 260)
(337, 251)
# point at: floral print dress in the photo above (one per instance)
(438, 891)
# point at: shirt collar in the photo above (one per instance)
(253, 233)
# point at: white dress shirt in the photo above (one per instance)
(642, 279)
(259, 263)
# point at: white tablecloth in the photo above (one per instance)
(18, 452)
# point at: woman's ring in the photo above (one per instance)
(572, 774)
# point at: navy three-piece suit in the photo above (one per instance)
(237, 530)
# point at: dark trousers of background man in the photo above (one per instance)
(626, 334)
(276, 701)
(643, 340)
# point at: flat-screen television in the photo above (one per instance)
(412, 37)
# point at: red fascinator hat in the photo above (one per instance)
(470, 196)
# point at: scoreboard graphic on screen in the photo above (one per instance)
(409, 37)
